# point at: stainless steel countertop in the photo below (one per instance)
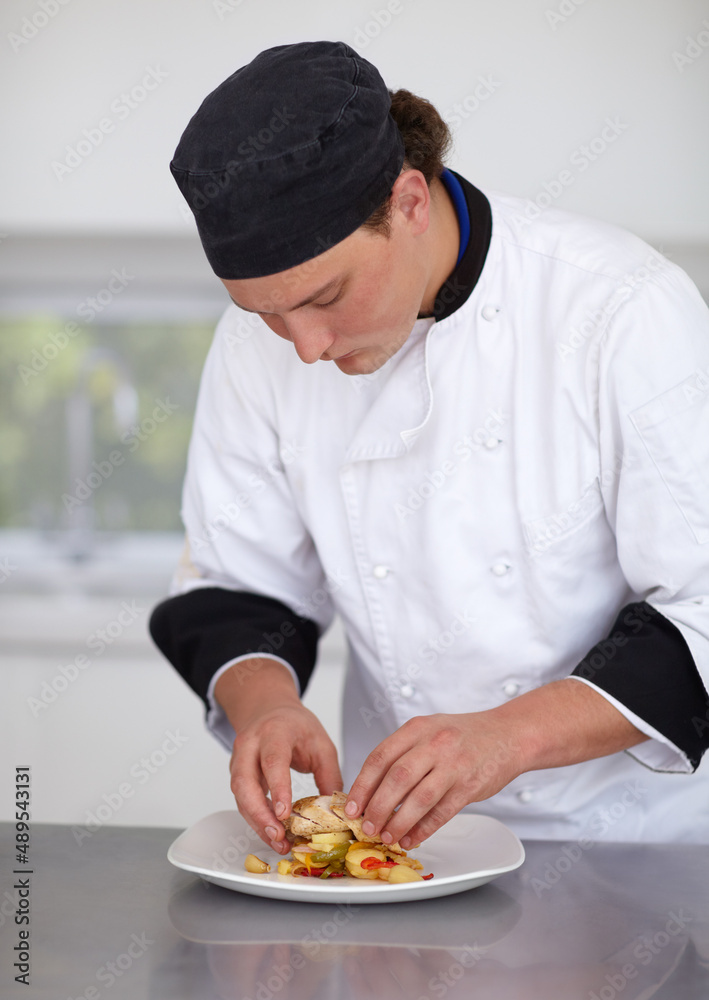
(110, 917)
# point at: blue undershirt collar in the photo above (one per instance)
(455, 190)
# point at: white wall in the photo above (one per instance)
(555, 84)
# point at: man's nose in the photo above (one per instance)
(311, 337)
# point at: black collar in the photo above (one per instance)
(458, 287)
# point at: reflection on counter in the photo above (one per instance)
(369, 950)
(538, 946)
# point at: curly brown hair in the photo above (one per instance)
(427, 140)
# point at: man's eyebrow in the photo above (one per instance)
(310, 298)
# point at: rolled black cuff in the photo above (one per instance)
(646, 665)
(203, 629)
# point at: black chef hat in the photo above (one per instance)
(287, 157)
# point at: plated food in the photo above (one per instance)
(470, 850)
(328, 844)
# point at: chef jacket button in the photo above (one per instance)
(492, 443)
(525, 795)
(380, 572)
(510, 689)
(407, 690)
(489, 312)
(499, 569)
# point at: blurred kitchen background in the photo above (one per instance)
(107, 307)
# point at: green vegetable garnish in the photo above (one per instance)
(324, 857)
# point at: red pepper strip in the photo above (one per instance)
(427, 877)
(370, 864)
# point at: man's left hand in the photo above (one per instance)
(433, 766)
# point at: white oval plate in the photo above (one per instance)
(468, 851)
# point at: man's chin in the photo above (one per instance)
(359, 363)
(365, 361)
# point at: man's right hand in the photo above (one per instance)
(274, 732)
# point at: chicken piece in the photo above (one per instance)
(313, 815)
(326, 814)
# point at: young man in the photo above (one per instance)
(496, 474)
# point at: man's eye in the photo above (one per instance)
(321, 305)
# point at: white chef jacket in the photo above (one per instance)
(479, 509)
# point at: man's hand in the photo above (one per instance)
(274, 733)
(282, 737)
(435, 765)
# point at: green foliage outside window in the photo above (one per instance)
(134, 476)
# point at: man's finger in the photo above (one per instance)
(247, 786)
(443, 811)
(424, 799)
(275, 767)
(402, 780)
(375, 767)
(327, 774)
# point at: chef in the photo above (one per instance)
(476, 430)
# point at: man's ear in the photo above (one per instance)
(411, 197)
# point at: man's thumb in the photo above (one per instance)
(328, 777)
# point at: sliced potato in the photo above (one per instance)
(331, 838)
(284, 867)
(402, 859)
(402, 873)
(358, 872)
(358, 854)
(354, 858)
